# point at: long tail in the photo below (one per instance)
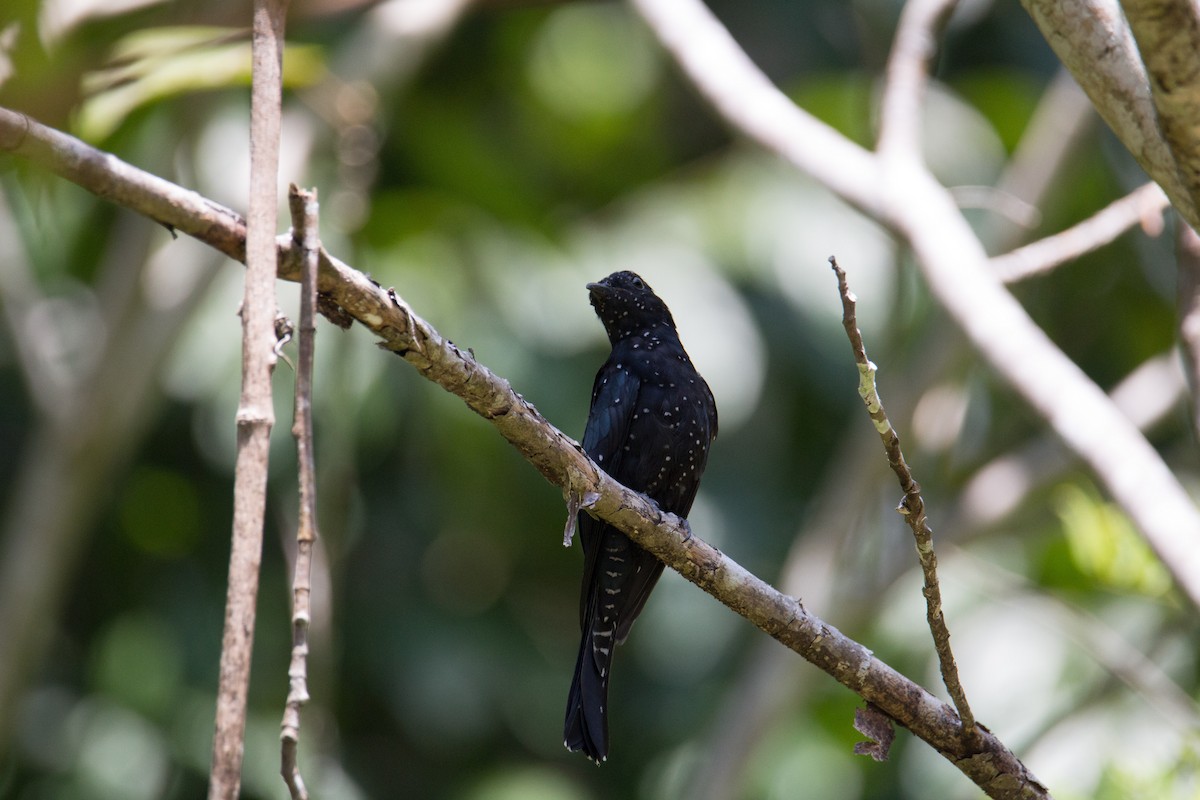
(586, 726)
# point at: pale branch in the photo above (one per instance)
(304, 210)
(725, 76)
(912, 507)
(913, 49)
(1077, 410)
(1144, 205)
(1093, 41)
(255, 413)
(901, 194)
(112, 179)
(1001, 204)
(1167, 33)
(562, 461)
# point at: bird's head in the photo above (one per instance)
(626, 305)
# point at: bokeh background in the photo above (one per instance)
(488, 160)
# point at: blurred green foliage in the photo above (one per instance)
(488, 174)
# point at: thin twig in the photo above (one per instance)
(255, 415)
(1009, 207)
(120, 182)
(1143, 205)
(912, 507)
(303, 205)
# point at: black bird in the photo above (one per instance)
(651, 422)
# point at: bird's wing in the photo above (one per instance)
(613, 395)
(669, 439)
(672, 432)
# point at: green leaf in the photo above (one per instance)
(154, 65)
(1104, 545)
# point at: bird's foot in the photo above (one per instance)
(575, 503)
(687, 529)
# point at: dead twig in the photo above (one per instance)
(912, 507)
(303, 205)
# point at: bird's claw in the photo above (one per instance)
(687, 529)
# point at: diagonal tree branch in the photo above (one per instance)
(1147, 202)
(112, 179)
(1093, 41)
(739, 90)
(986, 761)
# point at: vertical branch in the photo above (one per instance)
(725, 76)
(907, 73)
(912, 507)
(1187, 246)
(255, 415)
(303, 206)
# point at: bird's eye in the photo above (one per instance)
(638, 283)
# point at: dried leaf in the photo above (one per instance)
(877, 726)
